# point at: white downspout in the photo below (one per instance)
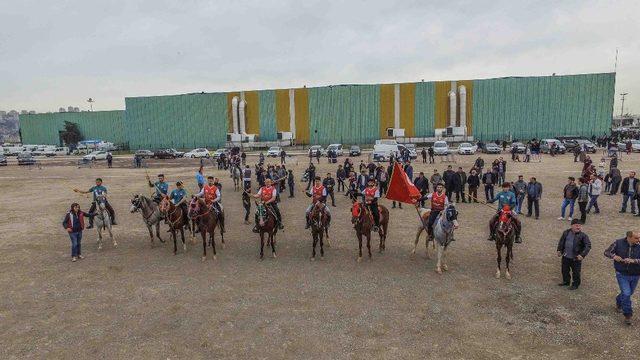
(242, 117)
(462, 91)
(396, 106)
(292, 112)
(452, 108)
(234, 114)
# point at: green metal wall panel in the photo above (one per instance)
(267, 102)
(425, 107)
(543, 106)
(346, 114)
(179, 121)
(43, 128)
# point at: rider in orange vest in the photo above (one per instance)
(439, 202)
(269, 194)
(318, 193)
(371, 195)
(211, 194)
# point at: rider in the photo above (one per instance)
(268, 195)
(161, 186)
(317, 194)
(211, 194)
(179, 198)
(98, 190)
(505, 198)
(371, 194)
(439, 202)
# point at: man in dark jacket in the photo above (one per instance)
(479, 164)
(424, 155)
(462, 181)
(534, 193)
(520, 189)
(450, 181)
(329, 183)
(573, 247)
(616, 178)
(570, 193)
(488, 179)
(422, 184)
(628, 190)
(474, 182)
(625, 253)
(432, 159)
(341, 175)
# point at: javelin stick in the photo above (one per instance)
(482, 202)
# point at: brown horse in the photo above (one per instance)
(206, 220)
(266, 223)
(505, 236)
(177, 219)
(319, 220)
(363, 222)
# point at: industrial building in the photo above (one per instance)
(487, 109)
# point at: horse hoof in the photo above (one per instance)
(439, 271)
(215, 257)
(274, 255)
(359, 258)
(204, 258)
(99, 247)
(445, 268)
(313, 258)
(321, 257)
(175, 253)
(498, 274)
(507, 276)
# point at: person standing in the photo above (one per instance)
(449, 181)
(246, 204)
(628, 190)
(479, 164)
(436, 178)
(341, 175)
(200, 178)
(573, 247)
(408, 169)
(432, 159)
(583, 199)
(311, 173)
(422, 184)
(595, 188)
(424, 155)
(243, 158)
(383, 180)
(461, 182)
(109, 160)
(73, 223)
(474, 182)
(290, 182)
(329, 183)
(616, 178)
(534, 192)
(502, 170)
(625, 253)
(520, 189)
(283, 157)
(570, 193)
(488, 179)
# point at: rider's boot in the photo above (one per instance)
(90, 223)
(518, 238)
(490, 238)
(308, 224)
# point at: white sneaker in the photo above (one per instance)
(569, 218)
(560, 218)
(74, 259)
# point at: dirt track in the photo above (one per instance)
(141, 301)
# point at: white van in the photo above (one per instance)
(57, 151)
(335, 147)
(383, 151)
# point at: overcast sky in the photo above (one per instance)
(59, 53)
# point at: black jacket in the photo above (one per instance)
(626, 186)
(449, 178)
(473, 181)
(581, 243)
(422, 183)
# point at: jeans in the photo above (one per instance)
(488, 192)
(571, 268)
(628, 197)
(627, 284)
(571, 203)
(533, 204)
(520, 200)
(593, 202)
(75, 237)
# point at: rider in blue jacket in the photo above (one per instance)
(505, 197)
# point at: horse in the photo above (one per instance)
(151, 214)
(443, 229)
(362, 219)
(266, 223)
(319, 220)
(201, 214)
(236, 174)
(176, 219)
(505, 236)
(103, 220)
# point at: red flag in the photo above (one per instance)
(401, 188)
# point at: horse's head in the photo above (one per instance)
(451, 215)
(101, 201)
(357, 211)
(194, 207)
(261, 211)
(505, 223)
(165, 204)
(136, 203)
(317, 212)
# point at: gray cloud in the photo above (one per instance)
(59, 54)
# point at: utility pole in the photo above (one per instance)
(622, 107)
(91, 101)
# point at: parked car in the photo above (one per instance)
(355, 150)
(143, 153)
(440, 148)
(3, 160)
(96, 155)
(571, 144)
(466, 149)
(41, 150)
(274, 151)
(26, 158)
(635, 145)
(491, 148)
(412, 150)
(167, 154)
(335, 147)
(316, 148)
(57, 151)
(197, 153)
(177, 153)
(545, 146)
(217, 153)
(520, 147)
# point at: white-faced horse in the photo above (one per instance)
(151, 213)
(102, 220)
(236, 175)
(443, 229)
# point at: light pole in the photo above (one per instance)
(91, 101)
(622, 107)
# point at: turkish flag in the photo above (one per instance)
(401, 188)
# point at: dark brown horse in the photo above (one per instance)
(505, 236)
(319, 220)
(207, 221)
(177, 220)
(363, 222)
(266, 223)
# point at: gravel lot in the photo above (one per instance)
(141, 301)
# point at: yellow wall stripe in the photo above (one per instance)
(301, 97)
(386, 109)
(252, 112)
(282, 110)
(407, 108)
(442, 104)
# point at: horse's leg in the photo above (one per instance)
(415, 243)
(507, 258)
(261, 245)
(203, 233)
(499, 248)
(321, 244)
(222, 229)
(213, 242)
(369, 244)
(113, 240)
(272, 240)
(158, 232)
(150, 233)
(359, 246)
(174, 236)
(184, 244)
(315, 241)
(100, 237)
(439, 263)
(444, 257)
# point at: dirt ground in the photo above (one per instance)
(141, 301)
